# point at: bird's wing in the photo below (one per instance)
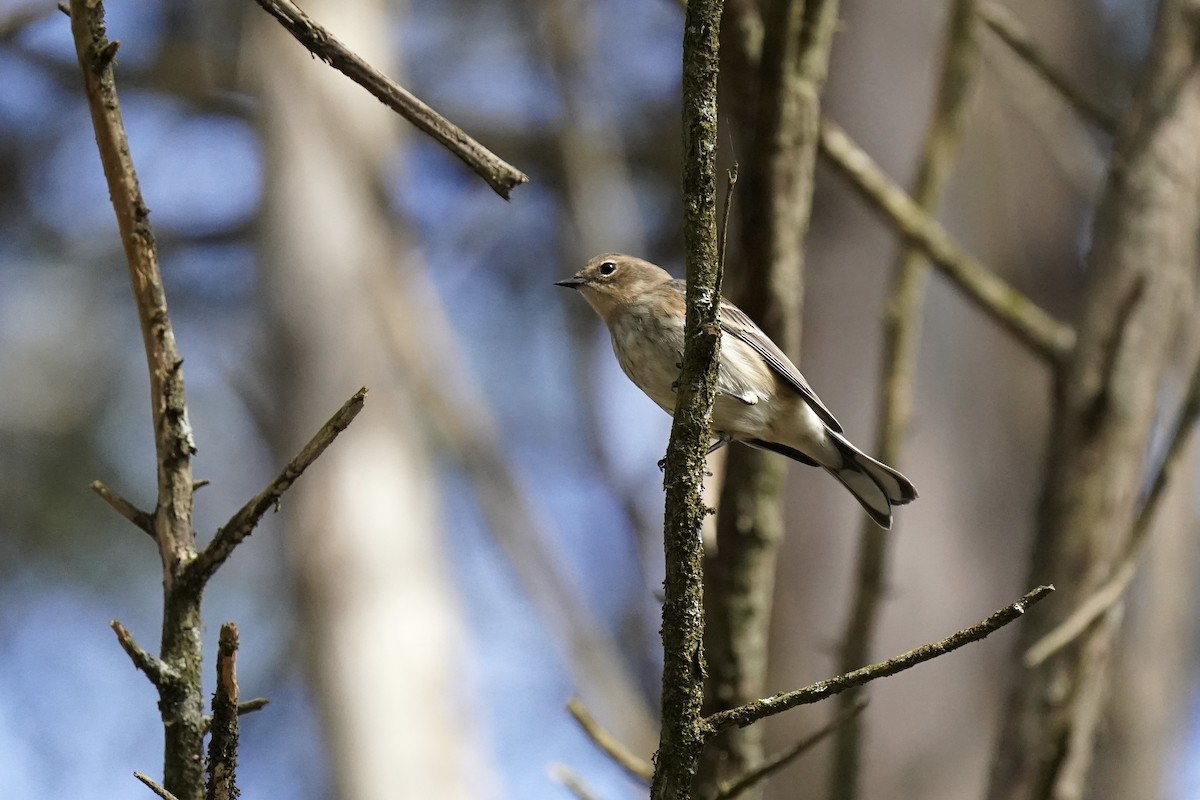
(735, 323)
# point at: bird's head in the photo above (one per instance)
(611, 281)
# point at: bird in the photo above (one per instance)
(762, 399)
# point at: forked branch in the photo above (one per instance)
(242, 524)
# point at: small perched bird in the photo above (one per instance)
(762, 399)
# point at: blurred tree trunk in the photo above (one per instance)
(1139, 298)
(774, 64)
(380, 623)
(1156, 662)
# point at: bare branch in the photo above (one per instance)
(571, 782)
(154, 787)
(637, 767)
(181, 708)
(248, 707)
(681, 739)
(780, 760)
(154, 668)
(1013, 33)
(1029, 323)
(901, 343)
(242, 524)
(730, 182)
(500, 175)
(142, 519)
(222, 747)
(752, 712)
(1106, 596)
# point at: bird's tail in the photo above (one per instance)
(876, 486)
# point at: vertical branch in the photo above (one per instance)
(1138, 301)
(901, 334)
(681, 739)
(784, 72)
(181, 704)
(222, 747)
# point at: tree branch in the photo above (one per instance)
(637, 767)
(222, 747)
(181, 708)
(901, 343)
(154, 787)
(153, 667)
(1030, 324)
(571, 782)
(500, 175)
(752, 712)
(1139, 282)
(681, 739)
(1009, 29)
(242, 523)
(1106, 596)
(780, 760)
(142, 519)
(247, 707)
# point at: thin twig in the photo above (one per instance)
(500, 175)
(1029, 323)
(222, 747)
(242, 524)
(752, 712)
(572, 782)
(781, 759)
(247, 707)
(1102, 600)
(142, 519)
(1013, 33)
(731, 177)
(154, 787)
(153, 667)
(637, 767)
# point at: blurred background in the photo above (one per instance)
(484, 542)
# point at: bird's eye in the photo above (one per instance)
(608, 268)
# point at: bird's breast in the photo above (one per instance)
(649, 348)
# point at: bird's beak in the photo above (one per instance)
(571, 283)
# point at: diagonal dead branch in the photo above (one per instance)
(1028, 322)
(637, 767)
(572, 782)
(142, 519)
(1009, 29)
(242, 524)
(222, 747)
(759, 709)
(1112, 590)
(781, 759)
(500, 175)
(153, 786)
(153, 667)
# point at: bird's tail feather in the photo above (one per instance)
(875, 485)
